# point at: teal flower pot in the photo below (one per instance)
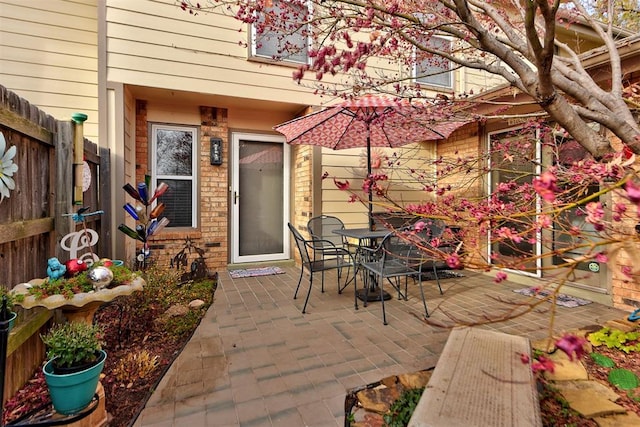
(70, 393)
(12, 319)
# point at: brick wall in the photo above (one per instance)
(625, 277)
(465, 143)
(212, 232)
(302, 181)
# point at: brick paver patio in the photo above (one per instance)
(256, 360)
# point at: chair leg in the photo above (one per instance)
(295, 295)
(304, 308)
(424, 301)
(355, 290)
(435, 273)
(384, 314)
(346, 279)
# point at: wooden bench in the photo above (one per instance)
(480, 381)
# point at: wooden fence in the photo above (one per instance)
(35, 217)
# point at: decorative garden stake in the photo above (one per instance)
(78, 158)
(7, 168)
(86, 238)
(146, 216)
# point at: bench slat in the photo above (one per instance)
(480, 380)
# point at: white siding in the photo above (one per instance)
(48, 55)
(350, 165)
(155, 43)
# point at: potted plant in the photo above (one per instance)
(75, 361)
(6, 304)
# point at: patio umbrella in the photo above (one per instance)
(370, 121)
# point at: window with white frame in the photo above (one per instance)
(434, 70)
(174, 161)
(279, 34)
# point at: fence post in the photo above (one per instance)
(105, 194)
(64, 151)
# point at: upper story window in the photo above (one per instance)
(174, 161)
(278, 33)
(434, 70)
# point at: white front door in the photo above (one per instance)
(259, 197)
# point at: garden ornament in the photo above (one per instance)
(100, 277)
(55, 269)
(635, 315)
(75, 266)
(7, 168)
(86, 238)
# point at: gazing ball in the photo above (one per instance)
(75, 266)
(106, 262)
(100, 277)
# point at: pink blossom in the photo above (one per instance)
(524, 358)
(572, 345)
(545, 186)
(503, 187)
(601, 257)
(507, 233)
(627, 271)
(544, 221)
(341, 185)
(454, 262)
(595, 214)
(501, 276)
(619, 209)
(543, 365)
(298, 75)
(366, 185)
(633, 192)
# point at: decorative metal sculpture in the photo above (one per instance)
(198, 267)
(146, 217)
(7, 168)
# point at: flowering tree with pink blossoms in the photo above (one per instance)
(560, 191)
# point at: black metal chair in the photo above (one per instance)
(406, 253)
(322, 229)
(313, 253)
(428, 238)
(395, 258)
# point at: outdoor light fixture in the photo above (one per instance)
(216, 151)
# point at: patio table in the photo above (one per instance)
(366, 238)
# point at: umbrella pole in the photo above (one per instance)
(370, 207)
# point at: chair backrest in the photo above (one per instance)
(300, 244)
(428, 239)
(400, 247)
(413, 245)
(433, 228)
(393, 220)
(322, 226)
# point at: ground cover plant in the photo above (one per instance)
(614, 362)
(143, 334)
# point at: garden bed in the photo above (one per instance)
(142, 337)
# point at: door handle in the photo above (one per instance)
(235, 197)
